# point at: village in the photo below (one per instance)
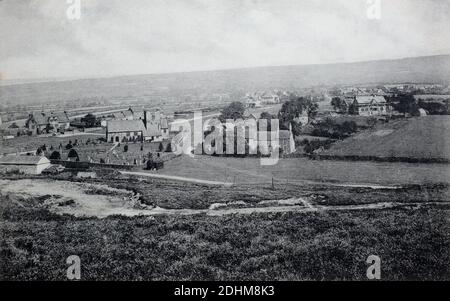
(136, 182)
(142, 139)
(231, 144)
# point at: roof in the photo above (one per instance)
(128, 113)
(23, 160)
(370, 99)
(254, 115)
(62, 117)
(40, 118)
(118, 115)
(119, 126)
(152, 130)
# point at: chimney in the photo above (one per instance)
(145, 119)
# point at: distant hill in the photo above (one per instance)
(415, 138)
(234, 82)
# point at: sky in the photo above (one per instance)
(117, 37)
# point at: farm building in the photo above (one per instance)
(154, 127)
(33, 165)
(302, 118)
(267, 140)
(251, 102)
(40, 122)
(373, 105)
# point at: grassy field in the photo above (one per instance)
(419, 137)
(292, 170)
(414, 244)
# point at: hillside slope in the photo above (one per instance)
(234, 82)
(416, 138)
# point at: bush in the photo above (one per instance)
(332, 129)
(73, 154)
(55, 156)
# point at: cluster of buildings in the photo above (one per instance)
(127, 126)
(266, 141)
(39, 122)
(257, 99)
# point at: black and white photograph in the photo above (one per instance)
(219, 141)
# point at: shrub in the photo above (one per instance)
(55, 156)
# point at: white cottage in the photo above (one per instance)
(32, 165)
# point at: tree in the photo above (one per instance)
(169, 148)
(73, 154)
(406, 104)
(267, 115)
(55, 156)
(234, 111)
(339, 105)
(353, 109)
(161, 147)
(89, 120)
(294, 108)
(125, 148)
(434, 107)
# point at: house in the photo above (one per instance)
(157, 126)
(123, 115)
(39, 122)
(373, 105)
(266, 141)
(32, 165)
(251, 102)
(153, 127)
(302, 118)
(124, 130)
(269, 98)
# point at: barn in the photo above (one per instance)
(32, 165)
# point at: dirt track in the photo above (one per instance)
(208, 182)
(83, 199)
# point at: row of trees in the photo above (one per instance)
(407, 104)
